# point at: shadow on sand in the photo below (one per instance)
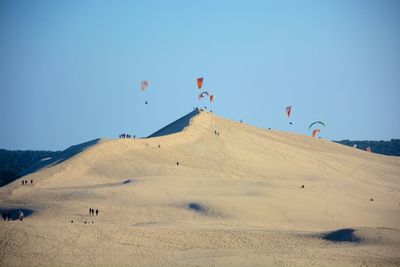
(14, 213)
(342, 235)
(197, 207)
(176, 126)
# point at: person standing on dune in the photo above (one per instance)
(20, 215)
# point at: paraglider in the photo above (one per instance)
(212, 98)
(316, 122)
(144, 85)
(288, 111)
(315, 132)
(201, 95)
(200, 82)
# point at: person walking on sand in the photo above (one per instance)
(6, 215)
(97, 212)
(20, 215)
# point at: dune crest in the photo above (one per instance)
(211, 179)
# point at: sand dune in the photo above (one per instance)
(213, 192)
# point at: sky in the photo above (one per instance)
(70, 71)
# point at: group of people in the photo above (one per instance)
(6, 215)
(93, 211)
(126, 136)
(24, 182)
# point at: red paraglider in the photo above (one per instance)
(288, 111)
(144, 85)
(315, 132)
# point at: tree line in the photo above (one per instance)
(13, 162)
(390, 148)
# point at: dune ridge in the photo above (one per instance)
(207, 190)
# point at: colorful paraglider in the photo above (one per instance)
(315, 132)
(144, 85)
(201, 95)
(316, 122)
(212, 98)
(200, 82)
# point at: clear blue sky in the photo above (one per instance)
(70, 71)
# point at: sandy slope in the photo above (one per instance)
(235, 198)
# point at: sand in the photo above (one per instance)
(234, 199)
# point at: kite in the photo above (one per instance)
(212, 98)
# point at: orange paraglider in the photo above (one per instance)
(200, 82)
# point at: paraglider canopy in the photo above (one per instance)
(288, 111)
(316, 122)
(144, 85)
(200, 82)
(201, 95)
(315, 132)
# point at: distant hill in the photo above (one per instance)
(390, 148)
(14, 162)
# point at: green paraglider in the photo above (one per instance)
(316, 122)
